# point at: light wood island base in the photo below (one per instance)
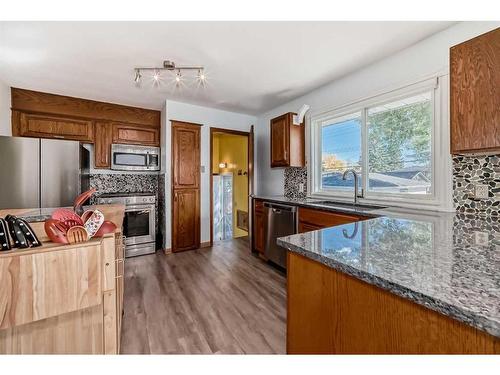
(63, 299)
(330, 312)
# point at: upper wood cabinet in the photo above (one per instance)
(49, 126)
(102, 144)
(44, 115)
(287, 142)
(185, 156)
(136, 134)
(475, 94)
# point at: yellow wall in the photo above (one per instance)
(215, 153)
(233, 149)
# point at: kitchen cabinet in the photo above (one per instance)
(475, 94)
(186, 220)
(312, 219)
(50, 126)
(185, 186)
(287, 142)
(330, 312)
(136, 134)
(102, 144)
(43, 115)
(258, 226)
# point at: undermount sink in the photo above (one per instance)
(366, 207)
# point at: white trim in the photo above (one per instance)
(440, 198)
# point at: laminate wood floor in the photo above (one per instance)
(214, 300)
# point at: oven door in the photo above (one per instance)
(139, 224)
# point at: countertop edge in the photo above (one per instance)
(467, 317)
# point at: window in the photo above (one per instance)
(340, 151)
(388, 140)
(399, 146)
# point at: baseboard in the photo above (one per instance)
(205, 244)
(167, 251)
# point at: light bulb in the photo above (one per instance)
(201, 75)
(156, 76)
(178, 77)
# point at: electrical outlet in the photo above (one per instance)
(481, 238)
(301, 188)
(481, 191)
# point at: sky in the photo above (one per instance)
(344, 140)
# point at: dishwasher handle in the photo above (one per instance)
(278, 208)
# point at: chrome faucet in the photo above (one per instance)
(356, 179)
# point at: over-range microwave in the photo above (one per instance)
(135, 158)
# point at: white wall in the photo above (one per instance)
(209, 117)
(5, 124)
(419, 61)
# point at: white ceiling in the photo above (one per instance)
(251, 66)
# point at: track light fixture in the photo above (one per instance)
(170, 66)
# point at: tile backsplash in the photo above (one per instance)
(471, 170)
(124, 183)
(293, 177)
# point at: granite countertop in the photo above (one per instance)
(447, 262)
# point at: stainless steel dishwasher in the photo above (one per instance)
(279, 220)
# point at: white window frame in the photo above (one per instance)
(440, 198)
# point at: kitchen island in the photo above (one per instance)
(400, 282)
(57, 299)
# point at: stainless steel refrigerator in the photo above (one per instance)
(39, 173)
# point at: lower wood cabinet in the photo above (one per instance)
(329, 312)
(258, 226)
(312, 219)
(186, 220)
(48, 126)
(62, 299)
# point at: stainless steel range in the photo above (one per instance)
(139, 221)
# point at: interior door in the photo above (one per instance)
(185, 186)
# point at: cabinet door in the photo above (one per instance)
(186, 219)
(186, 156)
(102, 144)
(259, 231)
(280, 137)
(136, 134)
(306, 227)
(311, 219)
(475, 94)
(43, 126)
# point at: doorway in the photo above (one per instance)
(230, 183)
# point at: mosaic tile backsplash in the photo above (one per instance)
(471, 170)
(293, 177)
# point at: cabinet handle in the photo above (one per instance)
(286, 153)
(59, 136)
